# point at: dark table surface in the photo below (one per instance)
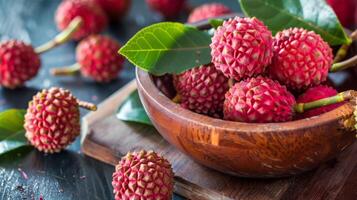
(68, 175)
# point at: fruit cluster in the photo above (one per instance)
(263, 71)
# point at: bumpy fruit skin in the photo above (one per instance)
(115, 9)
(143, 175)
(52, 120)
(202, 89)
(209, 10)
(316, 93)
(18, 63)
(94, 18)
(97, 55)
(258, 100)
(242, 48)
(167, 8)
(301, 58)
(345, 10)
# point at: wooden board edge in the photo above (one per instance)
(181, 187)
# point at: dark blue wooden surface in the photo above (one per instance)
(67, 175)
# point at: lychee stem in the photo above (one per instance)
(344, 64)
(62, 37)
(87, 105)
(177, 99)
(342, 51)
(340, 97)
(66, 71)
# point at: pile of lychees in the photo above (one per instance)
(253, 75)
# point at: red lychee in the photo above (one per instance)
(94, 18)
(167, 8)
(18, 63)
(242, 48)
(202, 89)
(316, 93)
(301, 58)
(345, 11)
(143, 175)
(209, 10)
(115, 9)
(258, 100)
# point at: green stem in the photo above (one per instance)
(62, 37)
(66, 71)
(344, 64)
(341, 97)
(342, 51)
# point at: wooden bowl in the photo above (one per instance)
(249, 149)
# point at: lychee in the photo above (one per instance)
(94, 18)
(207, 11)
(115, 9)
(97, 58)
(301, 58)
(316, 93)
(52, 119)
(18, 63)
(143, 175)
(258, 100)
(167, 8)
(202, 89)
(345, 11)
(242, 48)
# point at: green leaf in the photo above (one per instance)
(168, 47)
(215, 23)
(313, 15)
(132, 110)
(12, 133)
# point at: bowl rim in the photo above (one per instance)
(146, 84)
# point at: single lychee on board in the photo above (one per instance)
(143, 175)
(94, 18)
(52, 120)
(207, 11)
(201, 89)
(18, 63)
(258, 100)
(242, 48)
(301, 58)
(97, 58)
(167, 8)
(316, 93)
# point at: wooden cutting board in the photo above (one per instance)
(106, 138)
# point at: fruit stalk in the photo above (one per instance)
(341, 97)
(62, 37)
(66, 71)
(344, 64)
(342, 52)
(87, 105)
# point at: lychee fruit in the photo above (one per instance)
(97, 58)
(52, 119)
(345, 11)
(207, 11)
(18, 63)
(115, 9)
(94, 18)
(258, 100)
(168, 8)
(301, 58)
(143, 175)
(317, 93)
(242, 48)
(202, 89)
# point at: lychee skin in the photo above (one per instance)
(97, 55)
(258, 100)
(143, 175)
(202, 89)
(345, 11)
(115, 9)
(301, 58)
(167, 8)
(18, 63)
(207, 11)
(242, 48)
(94, 18)
(316, 93)
(52, 120)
